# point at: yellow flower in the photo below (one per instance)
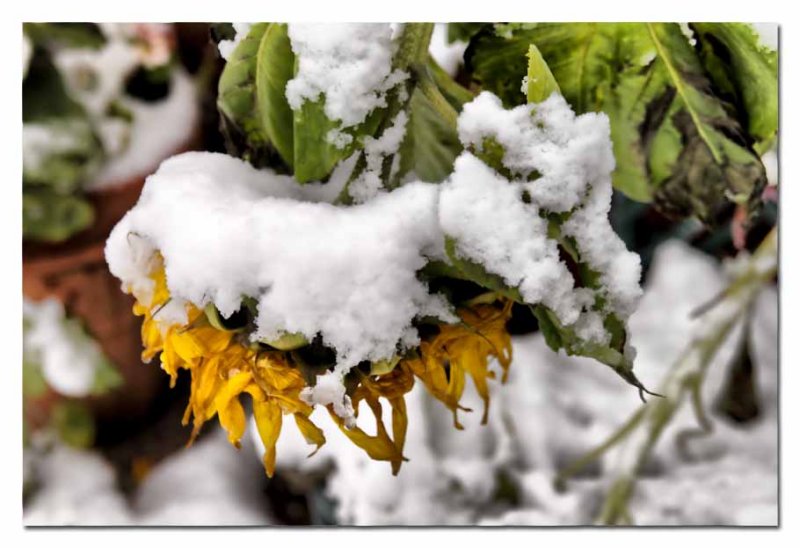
(461, 349)
(224, 366)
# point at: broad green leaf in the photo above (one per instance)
(498, 64)
(540, 83)
(275, 67)
(463, 31)
(314, 150)
(744, 72)
(453, 92)
(315, 154)
(431, 146)
(677, 140)
(251, 95)
(716, 164)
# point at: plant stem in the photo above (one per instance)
(642, 431)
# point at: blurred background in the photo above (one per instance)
(103, 441)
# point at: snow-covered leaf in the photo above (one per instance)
(677, 139)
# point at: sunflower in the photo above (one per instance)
(224, 365)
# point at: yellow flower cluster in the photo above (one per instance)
(224, 365)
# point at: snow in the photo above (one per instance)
(77, 488)
(571, 160)
(27, 53)
(369, 182)
(226, 47)
(330, 390)
(96, 78)
(770, 160)
(68, 357)
(768, 32)
(449, 55)
(349, 64)
(226, 230)
(495, 228)
(571, 153)
(158, 129)
(451, 477)
(41, 141)
(206, 484)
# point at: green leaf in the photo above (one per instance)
(498, 64)
(251, 95)
(556, 335)
(275, 67)
(716, 164)
(463, 31)
(430, 146)
(453, 92)
(541, 83)
(73, 423)
(315, 155)
(47, 216)
(677, 139)
(744, 72)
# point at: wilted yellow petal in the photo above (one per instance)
(268, 420)
(312, 434)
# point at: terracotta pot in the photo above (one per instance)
(75, 272)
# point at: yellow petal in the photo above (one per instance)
(268, 420)
(229, 409)
(312, 434)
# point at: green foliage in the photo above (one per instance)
(236, 93)
(463, 31)
(540, 81)
(71, 35)
(74, 424)
(431, 145)
(259, 121)
(44, 95)
(106, 378)
(33, 382)
(744, 73)
(557, 336)
(685, 121)
(49, 216)
(59, 161)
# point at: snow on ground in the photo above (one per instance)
(68, 357)
(555, 408)
(209, 483)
